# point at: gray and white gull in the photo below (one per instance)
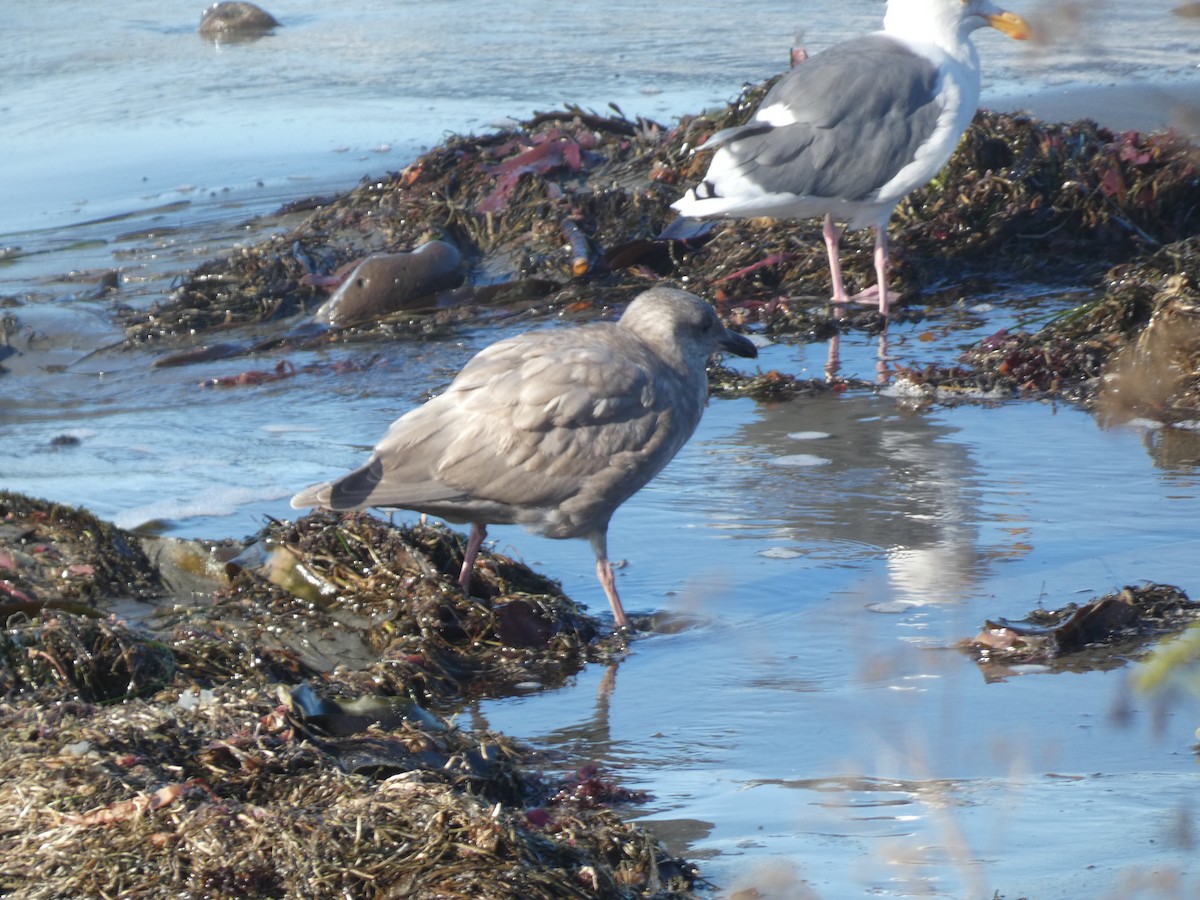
(850, 132)
(553, 429)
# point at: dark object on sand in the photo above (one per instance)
(847, 134)
(235, 21)
(385, 283)
(1115, 621)
(552, 430)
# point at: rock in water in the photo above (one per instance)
(232, 21)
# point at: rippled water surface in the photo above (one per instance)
(804, 721)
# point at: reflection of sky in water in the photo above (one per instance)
(893, 485)
(945, 495)
(793, 723)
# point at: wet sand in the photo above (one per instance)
(1141, 107)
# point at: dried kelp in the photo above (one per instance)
(225, 795)
(260, 741)
(428, 639)
(51, 553)
(571, 211)
(1101, 633)
(1133, 351)
(1038, 193)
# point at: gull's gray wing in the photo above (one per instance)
(859, 112)
(551, 429)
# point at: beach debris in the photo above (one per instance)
(395, 583)
(1019, 364)
(283, 369)
(1097, 634)
(188, 569)
(581, 251)
(1013, 178)
(343, 716)
(543, 154)
(238, 796)
(578, 218)
(1069, 193)
(87, 657)
(1132, 350)
(1156, 375)
(384, 283)
(279, 564)
(64, 557)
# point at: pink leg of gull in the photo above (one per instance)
(831, 234)
(873, 294)
(474, 542)
(608, 581)
(881, 247)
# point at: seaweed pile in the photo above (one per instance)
(255, 741)
(571, 211)
(1100, 634)
(56, 555)
(1130, 352)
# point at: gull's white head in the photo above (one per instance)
(947, 23)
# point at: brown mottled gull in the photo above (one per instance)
(552, 430)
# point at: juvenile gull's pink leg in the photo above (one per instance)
(604, 572)
(474, 542)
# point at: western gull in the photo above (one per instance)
(849, 132)
(552, 430)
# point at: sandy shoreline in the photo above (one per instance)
(1139, 107)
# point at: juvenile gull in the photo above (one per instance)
(848, 133)
(552, 430)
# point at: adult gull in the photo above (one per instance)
(851, 131)
(552, 430)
